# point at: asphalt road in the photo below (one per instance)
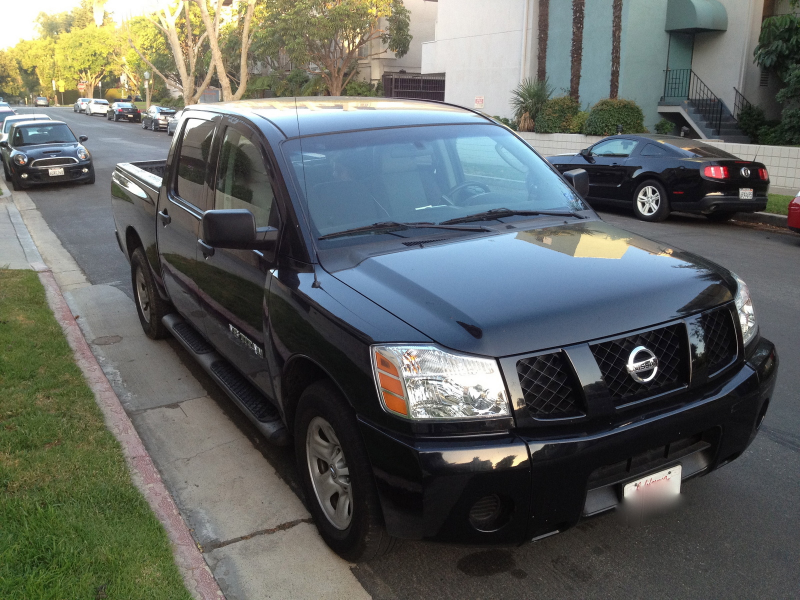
(736, 535)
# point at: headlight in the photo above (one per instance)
(21, 159)
(744, 306)
(83, 153)
(425, 382)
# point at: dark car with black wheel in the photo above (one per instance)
(657, 174)
(157, 118)
(43, 152)
(124, 111)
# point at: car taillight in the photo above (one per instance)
(762, 173)
(716, 172)
(119, 110)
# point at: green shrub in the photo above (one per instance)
(528, 98)
(360, 88)
(665, 127)
(556, 115)
(507, 122)
(751, 120)
(578, 122)
(607, 114)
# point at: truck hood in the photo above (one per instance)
(538, 289)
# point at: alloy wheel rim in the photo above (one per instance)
(648, 200)
(143, 295)
(330, 475)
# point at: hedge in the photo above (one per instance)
(607, 114)
(556, 115)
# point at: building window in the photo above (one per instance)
(764, 78)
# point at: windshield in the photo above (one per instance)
(30, 135)
(420, 175)
(124, 105)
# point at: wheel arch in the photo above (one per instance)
(300, 372)
(132, 241)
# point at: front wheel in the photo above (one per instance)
(650, 202)
(144, 125)
(153, 125)
(336, 475)
(150, 306)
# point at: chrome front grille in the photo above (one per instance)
(58, 161)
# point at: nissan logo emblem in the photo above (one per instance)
(745, 172)
(642, 365)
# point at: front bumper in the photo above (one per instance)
(428, 487)
(715, 203)
(40, 176)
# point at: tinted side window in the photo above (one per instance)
(614, 147)
(190, 184)
(653, 150)
(243, 180)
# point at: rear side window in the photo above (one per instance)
(193, 162)
(653, 150)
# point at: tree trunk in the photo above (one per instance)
(578, 9)
(544, 25)
(616, 35)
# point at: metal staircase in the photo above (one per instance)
(704, 111)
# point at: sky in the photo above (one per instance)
(18, 17)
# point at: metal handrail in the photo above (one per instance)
(684, 83)
(740, 103)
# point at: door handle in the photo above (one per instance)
(164, 218)
(207, 250)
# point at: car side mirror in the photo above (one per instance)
(579, 180)
(4, 144)
(83, 138)
(235, 229)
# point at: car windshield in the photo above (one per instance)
(101, 101)
(696, 148)
(421, 175)
(10, 121)
(31, 135)
(124, 105)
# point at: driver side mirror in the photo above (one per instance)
(587, 154)
(579, 180)
(83, 138)
(235, 229)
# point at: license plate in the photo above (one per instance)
(655, 489)
(745, 194)
(55, 172)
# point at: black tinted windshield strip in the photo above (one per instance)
(392, 127)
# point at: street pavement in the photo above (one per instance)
(734, 536)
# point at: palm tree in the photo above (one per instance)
(544, 25)
(578, 10)
(528, 98)
(616, 34)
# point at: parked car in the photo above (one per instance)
(41, 101)
(6, 127)
(172, 123)
(458, 347)
(96, 106)
(80, 105)
(6, 113)
(656, 174)
(794, 214)
(157, 117)
(124, 111)
(42, 152)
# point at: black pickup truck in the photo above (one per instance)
(458, 347)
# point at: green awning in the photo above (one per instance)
(696, 16)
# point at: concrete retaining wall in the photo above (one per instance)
(782, 162)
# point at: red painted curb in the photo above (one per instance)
(190, 561)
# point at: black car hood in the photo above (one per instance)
(49, 150)
(537, 289)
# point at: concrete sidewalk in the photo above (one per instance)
(250, 527)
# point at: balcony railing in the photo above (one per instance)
(408, 85)
(685, 84)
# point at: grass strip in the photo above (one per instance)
(778, 204)
(72, 525)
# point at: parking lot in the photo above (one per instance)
(734, 536)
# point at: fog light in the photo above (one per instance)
(24, 175)
(85, 170)
(489, 513)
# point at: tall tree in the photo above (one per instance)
(178, 24)
(578, 10)
(86, 55)
(616, 41)
(544, 26)
(10, 78)
(327, 35)
(212, 25)
(37, 57)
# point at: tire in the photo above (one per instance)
(150, 307)
(144, 125)
(359, 534)
(153, 126)
(719, 217)
(650, 202)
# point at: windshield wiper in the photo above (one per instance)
(497, 213)
(395, 225)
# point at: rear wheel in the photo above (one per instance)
(336, 475)
(150, 306)
(153, 125)
(719, 217)
(650, 201)
(144, 125)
